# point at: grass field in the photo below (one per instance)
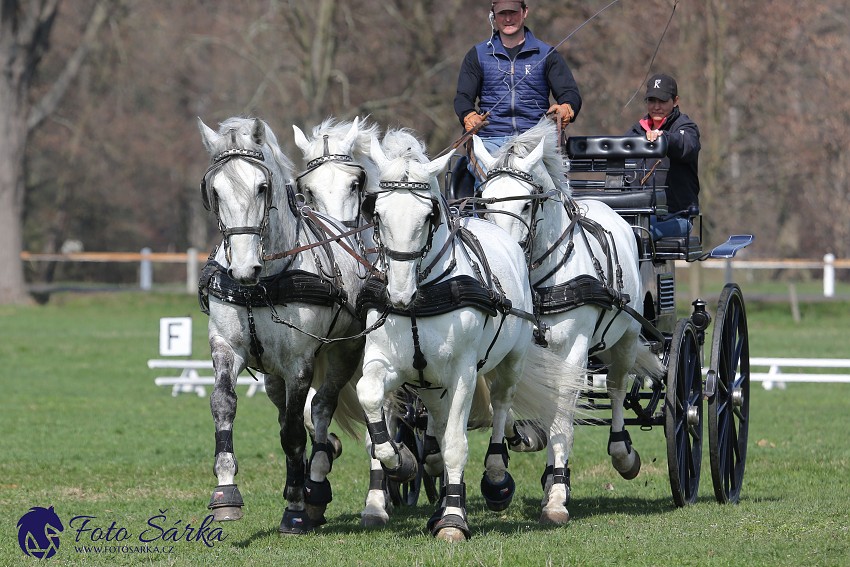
(86, 431)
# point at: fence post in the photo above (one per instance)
(146, 270)
(191, 270)
(829, 275)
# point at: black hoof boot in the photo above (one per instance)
(295, 523)
(226, 503)
(407, 465)
(498, 496)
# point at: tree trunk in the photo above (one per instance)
(13, 126)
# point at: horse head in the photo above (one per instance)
(407, 214)
(243, 184)
(525, 171)
(338, 167)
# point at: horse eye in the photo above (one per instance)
(262, 188)
(355, 186)
(526, 207)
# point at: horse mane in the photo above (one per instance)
(402, 145)
(553, 161)
(361, 150)
(237, 132)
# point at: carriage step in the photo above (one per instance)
(729, 248)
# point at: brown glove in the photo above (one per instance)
(562, 111)
(472, 120)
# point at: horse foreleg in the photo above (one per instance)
(398, 462)
(452, 523)
(556, 477)
(497, 484)
(289, 397)
(226, 502)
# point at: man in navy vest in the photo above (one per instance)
(511, 76)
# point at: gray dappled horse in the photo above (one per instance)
(275, 300)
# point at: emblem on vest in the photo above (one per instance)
(528, 69)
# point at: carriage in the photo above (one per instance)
(604, 168)
(670, 393)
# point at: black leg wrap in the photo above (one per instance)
(377, 479)
(620, 436)
(547, 472)
(455, 497)
(318, 493)
(498, 496)
(225, 495)
(224, 441)
(295, 523)
(562, 476)
(379, 434)
(528, 437)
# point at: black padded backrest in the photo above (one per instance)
(615, 147)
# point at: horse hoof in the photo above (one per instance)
(227, 513)
(336, 444)
(226, 503)
(295, 523)
(554, 517)
(635, 468)
(373, 521)
(450, 534)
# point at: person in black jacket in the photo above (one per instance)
(510, 76)
(679, 171)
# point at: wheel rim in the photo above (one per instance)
(683, 414)
(729, 406)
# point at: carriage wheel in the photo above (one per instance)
(683, 413)
(729, 406)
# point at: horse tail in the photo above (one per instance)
(546, 383)
(349, 412)
(481, 413)
(648, 364)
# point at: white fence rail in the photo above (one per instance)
(776, 377)
(190, 380)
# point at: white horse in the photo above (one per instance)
(583, 264)
(456, 303)
(273, 298)
(338, 171)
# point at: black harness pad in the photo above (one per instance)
(280, 289)
(437, 299)
(582, 290)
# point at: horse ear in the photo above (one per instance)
(438, 164)
(529, 161)
(258, 132)
(378, 155)
(208, 135)
(481, 152)
(300, 139)
(351, 137)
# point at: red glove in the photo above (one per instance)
(472, 120)
(563, 111)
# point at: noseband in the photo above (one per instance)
(435, 221)
(255, 158)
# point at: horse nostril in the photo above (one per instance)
(257, 270)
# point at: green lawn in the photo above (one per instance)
(87, 432)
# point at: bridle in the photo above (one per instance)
(340, 159)
(434, 220)
(210, 199)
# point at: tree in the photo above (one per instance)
(25, 29)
